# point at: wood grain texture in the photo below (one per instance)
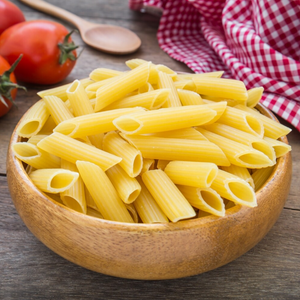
(29, 270)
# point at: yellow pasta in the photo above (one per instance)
(234, 188)
(166, 82)
(132, 161)
(178, 149)
(147, 208)
(145, 88)
(216, 74)
(73, 150)
(79, 99)
(127, 187)
(53, 180)
(35, 157)
(90, 201)
(48, 126)
(60, 91)
(92, 88)
(189, 97)
(219, 108)
(221, 87)
(94, 213)
(237, 153)
(244, 138)
(260, 176)
(185, 85)
(94, 123)
(205, 199)
(167, 195)
(161, 164)
(254, 96)
(148, 164)
(103, 192)
(279, 147)
(58, 109)
(34, 120)
(103, 73)
(164, 119)
(167, 70)
(133, 213)
(189, 133)
(116, 90)
(150, 100)
(74, 197)
(272, 128)
(191, 173)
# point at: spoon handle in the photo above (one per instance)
(56, 12)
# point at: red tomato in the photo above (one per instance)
(10, 15)
(8, 85)
(48, 51)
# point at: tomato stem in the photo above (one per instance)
(6, 86)
(67, 49)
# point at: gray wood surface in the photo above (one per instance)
(29, 270)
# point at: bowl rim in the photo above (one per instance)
(187, 224)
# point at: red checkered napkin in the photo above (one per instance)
(256, 41)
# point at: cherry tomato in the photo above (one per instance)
(10, 15)
(48, 51)
(8, 85)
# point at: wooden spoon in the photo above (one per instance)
(107, 38)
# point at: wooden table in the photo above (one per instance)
(29, 270)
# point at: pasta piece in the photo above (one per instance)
(79, 99)
(34, 120)
(161, 164)
(48, 126)
(74, 197)
(103, 73)
(53, 180)
(132, 161)
(167, 70)
(92, 88)
(189, 97)
(116, 90)
(166, 82)
(94, 123)
(178, 149)
(58, 109)
(216, 74)
(133, 213)
(29, 169)
(279, 147)
(60, 91)
(254, 96)
(234, 188)
(185, 85)
(220, 87)
(148, 164)
(36, 138)
(93, 213)
(90, 201)
(73, 150)
(211, 99)
(35, 157)
(127, 187)
(237, 153)
(96, 140)
(242, 120)
(145, 88)
(191, 173)
(150, 100)
(240, 172)
(147, 208)
(244, 138)
(164, 119)
(261, 176)
(184, 133)
(219, 108)
(272, 128)
(108, 202)
(205, 199)
(167, 195)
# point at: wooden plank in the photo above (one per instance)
(29, 270)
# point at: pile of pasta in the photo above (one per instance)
(149, 145)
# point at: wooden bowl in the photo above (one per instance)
(141, 251)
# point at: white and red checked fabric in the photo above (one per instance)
(256, 41)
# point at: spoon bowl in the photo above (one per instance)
(106, 38)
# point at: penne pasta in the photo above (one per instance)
(187, 84)
(237, 153)
(94, 123)
(108, 202)
(167, 195)
(189, 97)
(127, 187)
(74, 197)
(93, 213)
(145, 88)
(103, 73)
(205, 199)
(164, 119)
(184, 133)
(34, 120)
(216, 74)
(90, 201)
(53, 180)
(48, 126)
(254, 96)
(147, 208)
(133, 213)
(191, 173)
(161, 164)
(234, 188)
(148, 164)
(118, 89)
(178, 149)
(279, 147)
(261, 176)
(73, 150)
(132, 161)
